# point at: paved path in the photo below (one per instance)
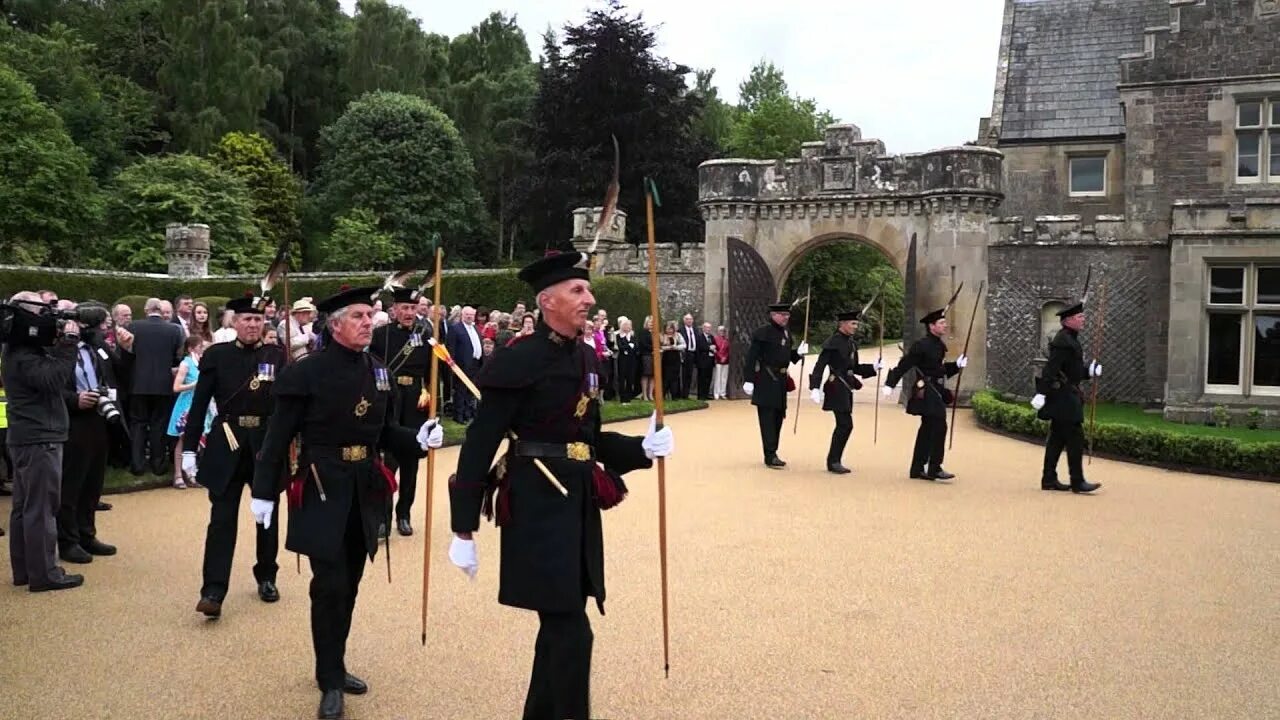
(794, 594)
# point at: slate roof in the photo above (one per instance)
(1063, 65)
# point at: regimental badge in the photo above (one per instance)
(254, 384)
(381, 380)
(362, 407)
(583, 402)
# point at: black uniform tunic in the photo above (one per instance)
(408, 363)
(333, 399)
(765, 366)
(1064, 405)
(229, 375)
(839, 355)
(928, 397)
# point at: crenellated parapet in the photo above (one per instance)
(1063, 230)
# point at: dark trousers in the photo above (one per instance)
(464, 403)
(33, 533)
(408, 467)
(1069, 436)
(704, 381)
(931, 444)
(334, 585)
(148, 422)
(220, 540)
(560, 687)
(770, 429)
(840, 437)
(84, 470)
(686, 376)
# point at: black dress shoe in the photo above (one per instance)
(353, 685)
(75, 554)
(94, 546)
(1053, 485)
(403, 527)
(267, 591)
(103, 506)
(940, 474)
(838, 469)
(330, 705)
(62, 582)
(1084, 486)
(211, 607)
(775, 462)
(918, 475)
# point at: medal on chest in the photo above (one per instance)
(415, 340)
(362, 407)
(266, 373)
(591, 391)
(381, 380)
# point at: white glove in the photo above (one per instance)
(1095, 369)
(261, 510)
(878, 365)
(962, 361)
(658, 443)
(816, 396)
(189, 462)
(1037, 402)
(886, 391)
(748, 388)
(462, 553)
(431, 434)
(803, 349)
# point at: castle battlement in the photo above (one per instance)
(1058, 230)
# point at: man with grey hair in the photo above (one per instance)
(39, 360)
(464, 345)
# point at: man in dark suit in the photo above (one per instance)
(690, 360)
(706, 360)
(157, 348)
(463, 343)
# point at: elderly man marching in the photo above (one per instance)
(544, 390)
(1060, 401)
(929, 396)
(840, 355)
(339, 399)
(767, 381)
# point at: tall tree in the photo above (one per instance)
(214, 75)
(305, 40)
(770, 123)
(715, 121)
(402, 159)
(108, 116)
(494, 84)
(50, 200)
(608, 80)
(274, 192)
(387, 50)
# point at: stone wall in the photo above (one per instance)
(1046, 261)
(1037, 180)
(681, 275)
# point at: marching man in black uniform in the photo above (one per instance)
(766, 378)
(545, 388)
(402, 347)
(840, 355)
(238, 376)
(339, 399)
(929, 395)
(1060, 400)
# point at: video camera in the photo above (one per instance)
(40, 324)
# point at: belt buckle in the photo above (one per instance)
(404, 379)
(355, 453)
(249, 421)
(578, 451)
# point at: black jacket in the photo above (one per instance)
(929, 394)
(34, 381)
(1060, 380)
(766, 366)
(840, 355)
(157, 349)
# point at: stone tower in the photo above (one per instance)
(187, 249)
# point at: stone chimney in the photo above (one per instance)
(187, 249)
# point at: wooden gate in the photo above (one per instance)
(751, 291)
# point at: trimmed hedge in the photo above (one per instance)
(498, 289)
(1151, 446)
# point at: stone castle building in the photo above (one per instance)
(1137, 137)
(1141, 137)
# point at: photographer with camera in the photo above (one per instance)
(90, 396)
(39, 361)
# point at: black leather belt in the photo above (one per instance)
(573, 451)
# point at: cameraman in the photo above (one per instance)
(39, 361)
(90, 398)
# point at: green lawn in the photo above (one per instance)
(120, 480)
(1119, 414)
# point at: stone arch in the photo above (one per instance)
(793, 259)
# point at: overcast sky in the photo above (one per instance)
(917, 74)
